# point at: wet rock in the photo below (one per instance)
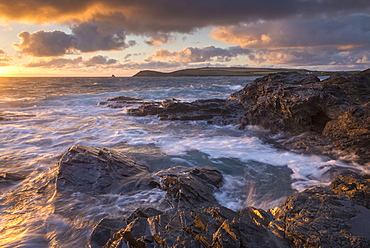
(190, 187)
(322, 217)
(218, 111)
(354, 186)
(350, 132)
(335, 216)
(206, 227)
(99, 171)
(11, 176)
(121, 102)
(335, 112)
(104, 230)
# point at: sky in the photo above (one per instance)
(122, 37)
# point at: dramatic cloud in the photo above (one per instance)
(192, 54)
(87, 37)
(309, 57)
(166, 16)
(344, 33)
(267, 32)
(43, 43)
(4, 59)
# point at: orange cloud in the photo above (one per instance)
(346, 33)
(193, 54)
(4, 59)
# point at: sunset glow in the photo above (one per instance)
(95, 38)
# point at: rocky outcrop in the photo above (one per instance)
(190, 216)
(217, 111)
(99, 171)
(335, 216)
(122, 102)
(190, 187)
(333, 113)
(205, 227)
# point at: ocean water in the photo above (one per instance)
(40, 118)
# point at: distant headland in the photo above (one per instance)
(229, 71)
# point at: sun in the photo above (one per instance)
(5, 71)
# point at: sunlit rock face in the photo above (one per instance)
(332, 114)
(335, 216)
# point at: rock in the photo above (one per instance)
(354, 186)
(206, 227)
(334, 111)
(121, 102)
(99, 171)
(321, 217)
(190, 187)
(104, 230)
(187, 190)
(212, 110)
(350, 132)
(11, 176)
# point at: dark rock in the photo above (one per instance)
(104, 230)
(335, 111)
(319, 217)
(206, 227)
(121, 102)
(99, 171)
(350, 132)
(212, 110)
(356, 187)
(190, 187)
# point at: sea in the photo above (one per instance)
(40, 118)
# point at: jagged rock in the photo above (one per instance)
(99, 171)
(206, 227)
(350, 132)
(356, 187)
(212, 110)
(321, 217)
(335, 111)
(190, 187)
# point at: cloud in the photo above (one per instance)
(310, 58)
(193, 54)
(90, 37)
(160, 39)
(142, 16)
(86, 37)
(4, 59)
(98, 60)
(56, 63)
(41, 43)
(349, 32)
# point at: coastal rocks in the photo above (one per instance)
(187, 190)
(121, 102)
(206, 227)
(218, 111)
(335, 111)
(335, 216)
(99, 171)
(326, 217)
(190, 187)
